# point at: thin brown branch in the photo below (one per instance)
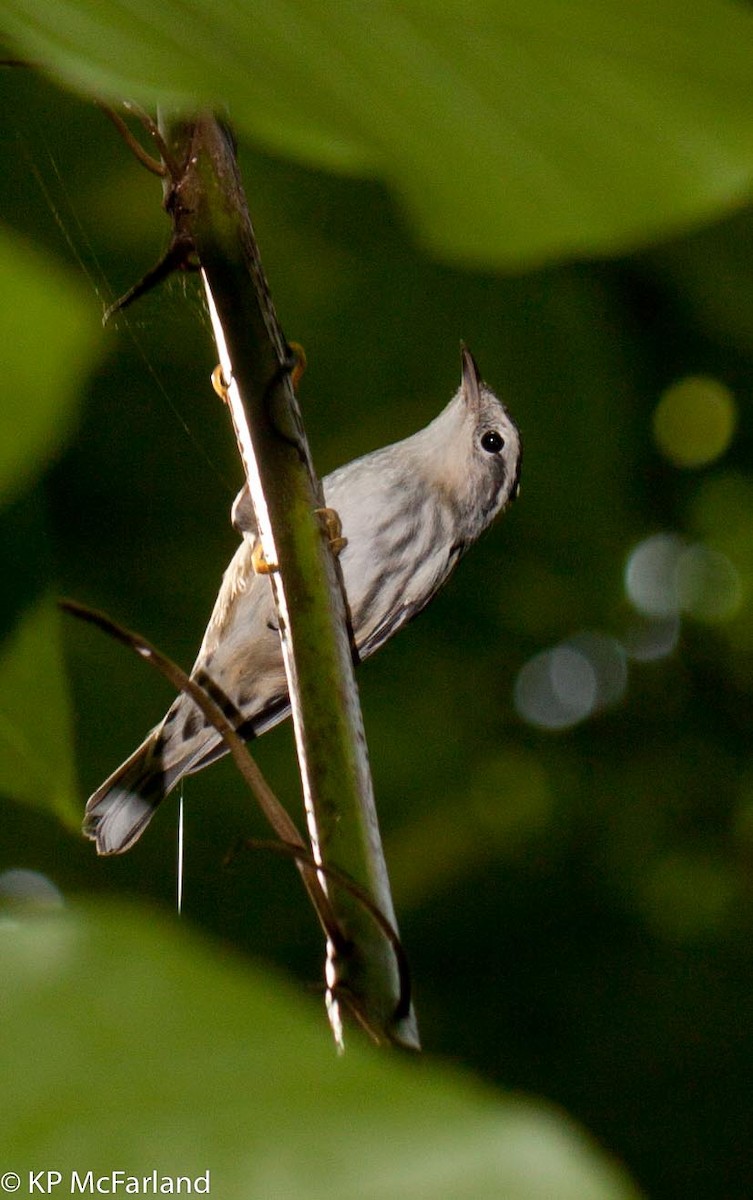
(134, 145)
(276, 815)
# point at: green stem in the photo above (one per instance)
(208, 203)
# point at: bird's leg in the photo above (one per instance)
(259, 562)
(332, 526)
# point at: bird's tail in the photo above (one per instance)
(119, 811)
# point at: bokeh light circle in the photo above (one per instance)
(651, 575)
(564, 685)
(664, 576)
(22, 889)
(708, 584)
(694, 421)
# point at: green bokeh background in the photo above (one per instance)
(576, 906)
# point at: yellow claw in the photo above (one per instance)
(332, 526)
(219, 383)
(259, 562)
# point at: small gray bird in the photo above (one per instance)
(408, 513)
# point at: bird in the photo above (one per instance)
(408, 513)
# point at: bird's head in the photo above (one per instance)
(473, 451)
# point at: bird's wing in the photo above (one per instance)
(384, 631)
(421, 589)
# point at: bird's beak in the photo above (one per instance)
(471, 379)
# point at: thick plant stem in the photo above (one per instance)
(209, 208)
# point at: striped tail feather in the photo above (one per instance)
(122, 807)
(119, 811)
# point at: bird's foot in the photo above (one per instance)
(332, 526)
(219, 383)
(259, 562)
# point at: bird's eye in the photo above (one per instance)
(492, 441)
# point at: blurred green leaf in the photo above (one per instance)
(133, 1046)
(511, 132)
(564, 959)
(49, 334)
(36, 734)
